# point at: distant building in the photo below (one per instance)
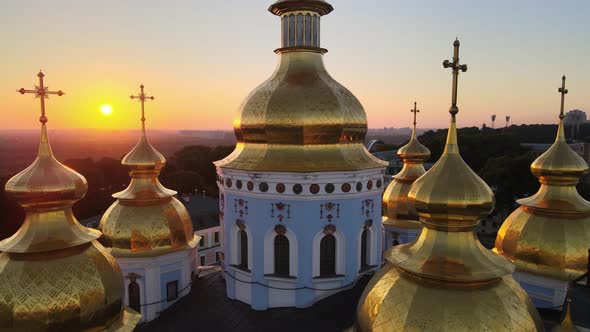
(204, 212)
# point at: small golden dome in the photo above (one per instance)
(396, 206)
(146, 220)
(548, 234)
(54, 276)
(446, 267)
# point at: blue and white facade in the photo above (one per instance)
(258, 207)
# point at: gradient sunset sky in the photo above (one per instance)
(201, 58)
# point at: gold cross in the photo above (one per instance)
(42, 92)
(142, 98)
(563, 92)
(415, 110)
(456, 67)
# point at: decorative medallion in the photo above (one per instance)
(368, 223)
(345, 187)
(330, 229)
(379, 183)
(332, 210)
(314, 188)
(359, 186)
(241, 224)
(263, 186)
(280, 229)
(329, 188)
(367, 207)
(280, 188)
(370, 184)
(228, 183)
(297, 188)
(133, 276)
(239, 184)
(250, 185)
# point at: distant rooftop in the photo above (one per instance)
(204, 211)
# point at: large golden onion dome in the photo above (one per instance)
(549, 234)
(446, 280)
(396, 208)
(300, 119)
(146, 220)
(54, 276)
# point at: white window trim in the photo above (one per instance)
(340, 253)
(233, 244)
(269, 252)
(372, 239)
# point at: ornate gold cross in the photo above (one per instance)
(563, 92)
(415, 110)
(456, 67)
(142, 98)
(42, 92)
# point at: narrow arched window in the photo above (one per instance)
(315, 31)
(328, 256)
(134, 299)
(285, 21)
(299, 28)
(243, 246)
(364, 249)
(291, 30)
(308, 31)
(281, 249)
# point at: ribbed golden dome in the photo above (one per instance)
(300, 119)
(54, 276)
(548, 234)
(396, 208)
(446, 267)
(146, 220)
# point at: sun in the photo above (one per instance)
(106, 109)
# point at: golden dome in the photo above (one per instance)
(396, 208)
(548, 234)
(146, 220)
(447, 267)
(300, 119)
(54, 276)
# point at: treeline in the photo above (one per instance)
(188, 170)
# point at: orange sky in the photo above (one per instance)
(201, 58)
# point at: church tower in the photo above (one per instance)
(446, 280)
(300, 195)
(54, 275)
(150, 232)
(548, 236)
(400, 223)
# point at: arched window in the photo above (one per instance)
(291, 30)
(134, 299)
(299, 28)
(308, 31)
(281, 248)
(328, 256)
(243, 247)
(315, 28)
(364, 249)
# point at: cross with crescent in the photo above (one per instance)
(142, 98)
(415, 110)
(456, 67)
(563, 91)
(42, 92)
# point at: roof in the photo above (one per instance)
(204, 211)
(207, 308)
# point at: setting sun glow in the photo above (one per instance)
(106, 109)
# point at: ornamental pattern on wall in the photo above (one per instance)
(241, 207)
(331, 210)
(367, 207)
(283, 210)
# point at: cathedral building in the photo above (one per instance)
(300, 195)
(549, 234)
(446, 280)
(400, 223)
(54, 275)
(150, 233)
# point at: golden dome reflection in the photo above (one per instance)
(446, 267)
